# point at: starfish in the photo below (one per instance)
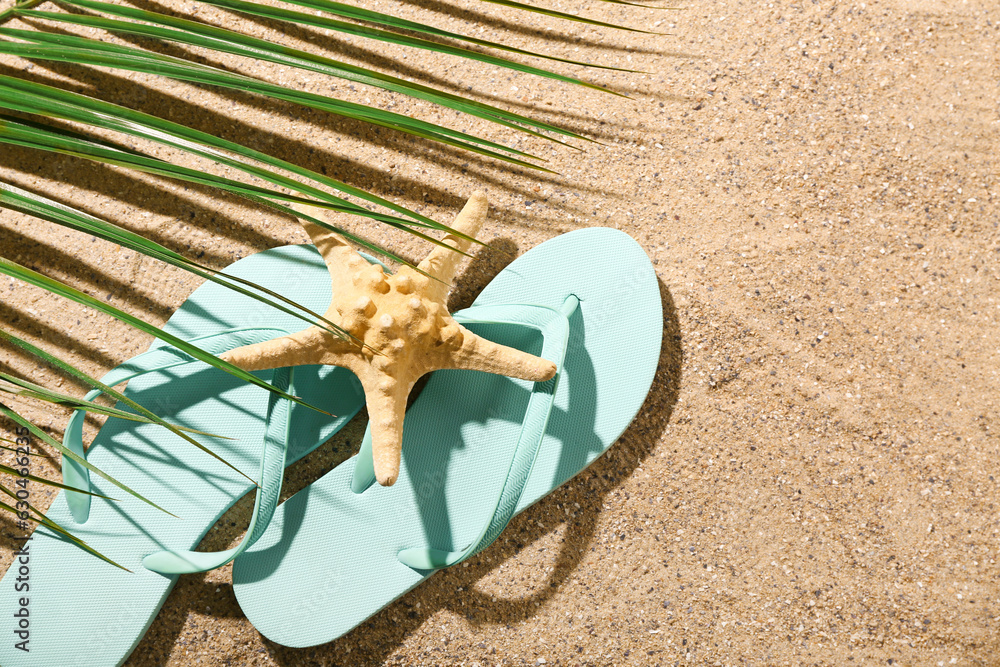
(406, 329)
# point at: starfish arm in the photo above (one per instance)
(304, 347)
(386, 404)
(479, 354)
(443, 263)
(341, 259)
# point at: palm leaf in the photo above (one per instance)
(377, 18)
(281, 183)
(196, 33)
(61, 289)
(73, 371)
(359, 14)
(28, 389)
(52, 525)
(81, 50)
(51, 102)
(32, 135)
(387, 21)
(43, 208)
(12, 449)
(48, 482)
(65, 451)
(511, 4)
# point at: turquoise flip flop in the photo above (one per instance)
(87, 613)
(477, 448)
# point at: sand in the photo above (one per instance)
(813, 478)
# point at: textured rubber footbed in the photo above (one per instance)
(87, 613)
(329, 558)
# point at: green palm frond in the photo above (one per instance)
(65, 451)
(402, 39)
(53, 526)
(196, 33)
(46, 209)
(52, 119)
(59, 288)
(48, 101)
(10, 384)
(83, 50)
(7, 470)
(14, 449)
(93, 383)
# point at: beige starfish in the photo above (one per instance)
(404, 318)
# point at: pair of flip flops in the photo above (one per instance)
(477, 449)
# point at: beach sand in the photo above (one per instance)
(813, 478)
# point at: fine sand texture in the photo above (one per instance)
(814, 477)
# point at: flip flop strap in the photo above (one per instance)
(151, 361)
(272, 467)
(554, 326)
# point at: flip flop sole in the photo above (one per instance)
(87, 613)
(329, 558)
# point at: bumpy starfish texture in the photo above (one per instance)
(407, 331)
